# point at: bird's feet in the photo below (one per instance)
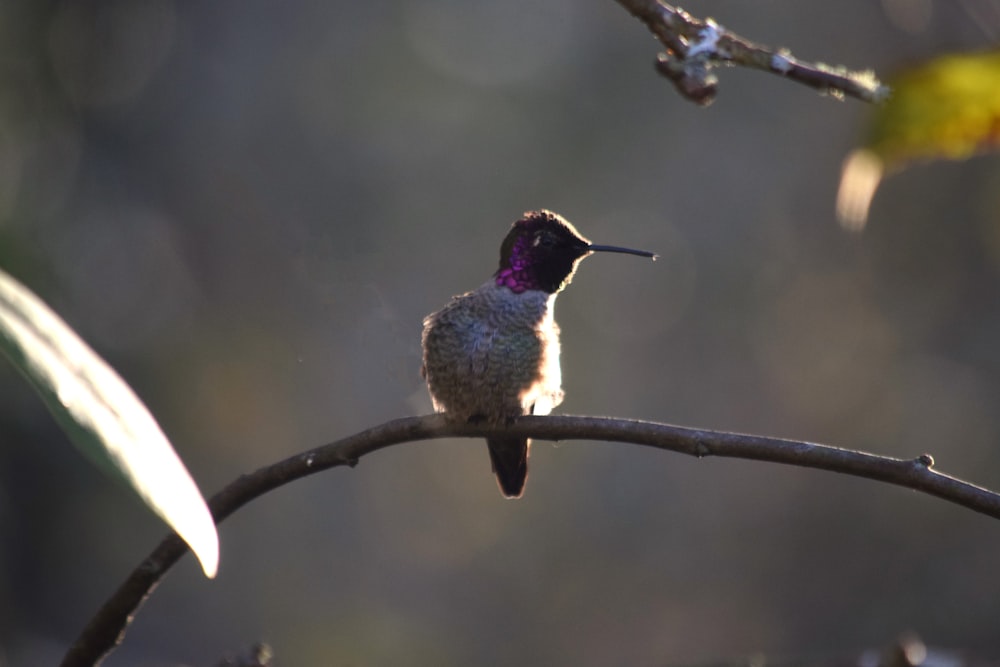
(479, 419)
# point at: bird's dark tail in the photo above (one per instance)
(509, 457)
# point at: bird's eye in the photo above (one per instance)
(545, 240)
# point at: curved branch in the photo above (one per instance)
(694, 47)
(107, 628)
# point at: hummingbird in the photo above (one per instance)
(492, 355)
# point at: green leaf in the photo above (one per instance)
(102, 415)
(947, 108)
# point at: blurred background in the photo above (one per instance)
(248, 207)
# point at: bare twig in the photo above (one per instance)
(695, 47)
(107, 628)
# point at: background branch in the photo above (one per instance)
(107, 628)
(695, 47)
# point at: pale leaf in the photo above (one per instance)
(103, 415)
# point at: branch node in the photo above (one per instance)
(693, 78)
(701, 450)
(259, 655)
(925, 461)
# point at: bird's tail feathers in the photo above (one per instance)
(509, 456)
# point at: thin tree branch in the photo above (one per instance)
(694, 47)
(107, 628)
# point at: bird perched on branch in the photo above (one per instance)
(492, 355)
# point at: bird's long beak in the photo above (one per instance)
(628, 251)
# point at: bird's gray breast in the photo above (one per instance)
(493, 353)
